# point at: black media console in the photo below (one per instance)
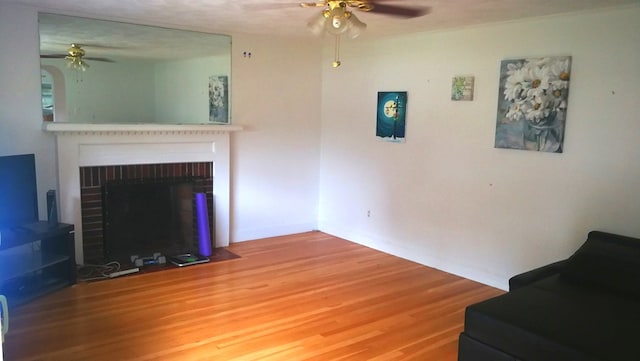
(35, 259)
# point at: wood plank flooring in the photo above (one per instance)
(308, 296)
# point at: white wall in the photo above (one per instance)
(447, 198)
(140, 91)
(276, 98)
(103, 93)
(20, 102)
(182, 88)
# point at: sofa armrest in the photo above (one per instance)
(526, 278)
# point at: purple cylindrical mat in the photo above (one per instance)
(202, 215)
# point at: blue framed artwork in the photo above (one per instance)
(391, 116)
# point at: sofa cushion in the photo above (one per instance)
(608, 261)
(555, 321)
(529, 277)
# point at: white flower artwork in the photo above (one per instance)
(532, 103)
(219, 99)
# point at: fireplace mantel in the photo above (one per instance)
(81, 145)
(137, 129)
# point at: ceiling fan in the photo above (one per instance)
(338, 19)
(75, 57)
(374, 6)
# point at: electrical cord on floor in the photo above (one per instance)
(94, 272)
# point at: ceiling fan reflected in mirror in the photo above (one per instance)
(75, 58)
(337, 19)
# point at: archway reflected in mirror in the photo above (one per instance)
(47, 96)
(54, 105)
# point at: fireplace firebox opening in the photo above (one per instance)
(142, 209)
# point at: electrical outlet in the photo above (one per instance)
(368, 214)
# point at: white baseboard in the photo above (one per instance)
(421, 257)
(248, 234)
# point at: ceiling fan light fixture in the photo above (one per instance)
(75, 59)
(338, 21)
(356, 27)
(317, 23)
(76, 63)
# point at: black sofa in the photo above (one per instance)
(584, 308)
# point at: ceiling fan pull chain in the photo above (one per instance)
(336, 61)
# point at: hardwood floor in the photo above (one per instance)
(308, 296)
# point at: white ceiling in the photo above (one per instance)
(283, 18)
(286, 18)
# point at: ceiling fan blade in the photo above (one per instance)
(63, 56)
(275, 6)
(106, 60)
(100, 46)
(400, 11)
(313, 4)
(260, 7)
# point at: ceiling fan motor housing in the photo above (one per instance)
(338, 17)
(75, 51)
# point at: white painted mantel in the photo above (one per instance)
(82, 145)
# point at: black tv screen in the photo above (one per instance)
(18, 190)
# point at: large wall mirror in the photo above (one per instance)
(96, 71)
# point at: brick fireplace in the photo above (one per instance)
(110, 145)
(92, 180)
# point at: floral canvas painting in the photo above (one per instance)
(391, 114)
(219, 99)
(532, 103)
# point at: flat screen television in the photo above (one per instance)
(18, 190)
